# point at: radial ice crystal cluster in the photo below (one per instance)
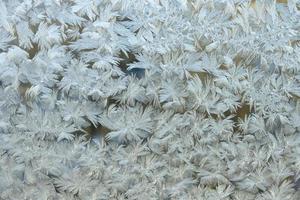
(149, 99)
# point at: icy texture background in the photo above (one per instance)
(149, 99)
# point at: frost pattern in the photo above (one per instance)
(149, 99)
